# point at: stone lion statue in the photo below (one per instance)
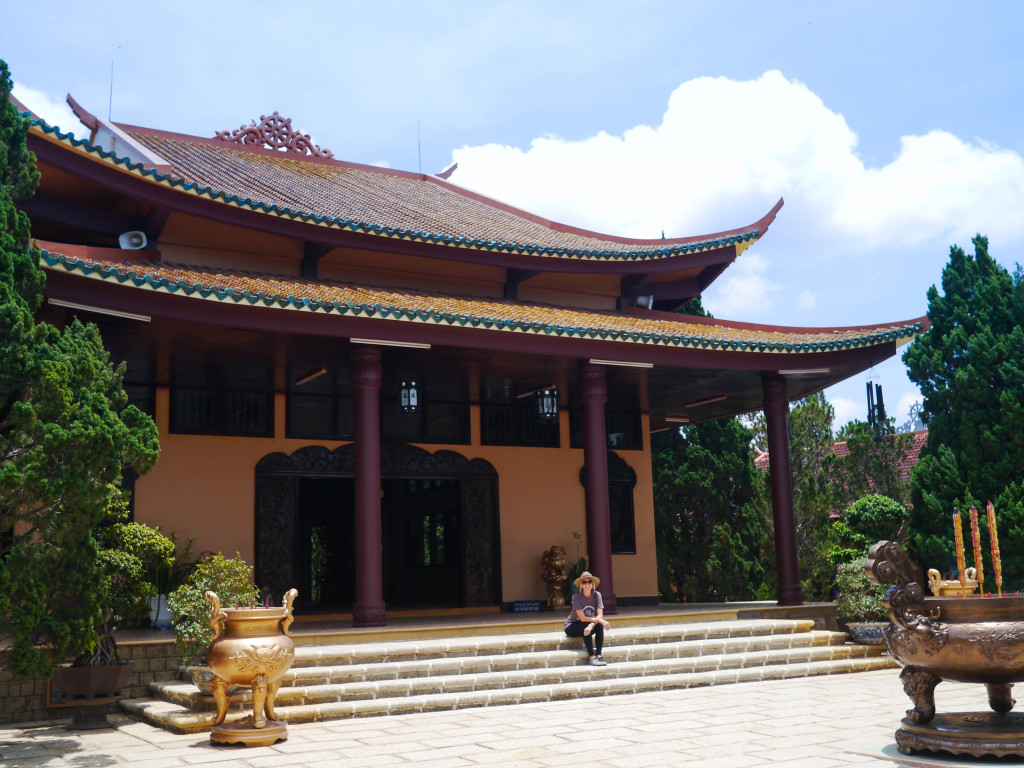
(553, 574)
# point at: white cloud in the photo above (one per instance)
(726, 150)
(54, 111)
(381, 163)
(742, 289)
(846, 410)
(807, 300)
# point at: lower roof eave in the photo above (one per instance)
(178, 308)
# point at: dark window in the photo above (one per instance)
(222, 398)
(442, 415)
(322, 407)
(508, 420)
(622, 525)
(624, 428)
(140, 381)
(620, 517)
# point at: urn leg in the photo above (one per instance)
(259, 698)
(919, 685)
(999, 697)
(271, 699)
(220, 695)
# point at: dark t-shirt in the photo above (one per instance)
(589, 606)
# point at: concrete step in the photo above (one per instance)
(401, 680)
(532, 642)
(603, 682)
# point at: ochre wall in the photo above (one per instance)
(204, 487)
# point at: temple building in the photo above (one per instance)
(392, 392)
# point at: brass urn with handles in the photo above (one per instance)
(251, 647)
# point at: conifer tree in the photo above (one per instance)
(710, 503)
(970, 368)
(66, 430)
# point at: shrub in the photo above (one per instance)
(858, 599)
(867, 521)
(230, 578)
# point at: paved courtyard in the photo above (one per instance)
(802, 722)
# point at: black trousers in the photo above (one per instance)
(596, 634)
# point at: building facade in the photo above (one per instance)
(390, 391)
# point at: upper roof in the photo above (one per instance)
(325, 192)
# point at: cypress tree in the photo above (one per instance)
(970, 368)
(66, 431)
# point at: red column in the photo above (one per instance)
(776, 409)
(595, 461)
(366, 381)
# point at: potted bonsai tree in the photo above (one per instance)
(127, 551)
(232, 580)
(861, 604)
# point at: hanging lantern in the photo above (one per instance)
(409, 396)
(547, 405)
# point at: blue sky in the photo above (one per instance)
(891, 129)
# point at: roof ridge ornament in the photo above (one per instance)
(275, 132)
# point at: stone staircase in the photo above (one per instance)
(335, 681)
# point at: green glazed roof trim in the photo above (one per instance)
(499, 246)
(73, 264)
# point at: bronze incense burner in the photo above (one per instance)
(254, 650)
(963, 639)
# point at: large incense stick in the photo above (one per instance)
(994, 538)
(958, 536)
(976, 541)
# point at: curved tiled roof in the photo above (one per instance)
(388, 303)
(380, 202)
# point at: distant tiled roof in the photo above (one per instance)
(389, 303)
(906, 465)
(379, 201)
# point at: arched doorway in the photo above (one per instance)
(439, 514)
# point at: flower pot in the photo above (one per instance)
(90, 690)
(255, 650)
(159, 612)
(202, 677)
(867, 632)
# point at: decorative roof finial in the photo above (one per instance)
(277, 133)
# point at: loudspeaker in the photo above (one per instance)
(132, 241)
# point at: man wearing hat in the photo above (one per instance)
(587, 617)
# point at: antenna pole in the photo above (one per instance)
(419, 147)
(110, 102)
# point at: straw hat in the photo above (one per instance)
(587, 575)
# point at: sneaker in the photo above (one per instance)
(598, 661)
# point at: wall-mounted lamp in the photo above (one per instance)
(645, 302)
(706, 401)
(680, 419)
(547, 405)
(409, 395)
(308, 377)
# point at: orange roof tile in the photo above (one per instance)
(496, 314)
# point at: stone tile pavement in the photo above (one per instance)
(794, 723)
